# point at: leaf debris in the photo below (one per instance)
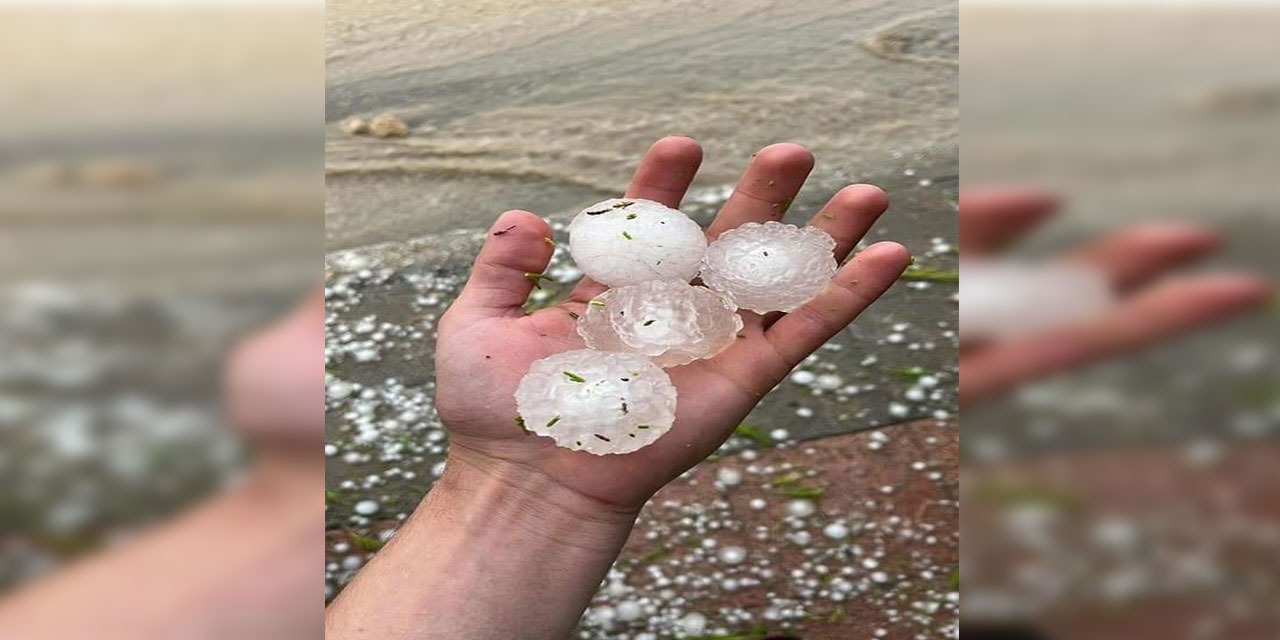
(930, 274)
(536, 279)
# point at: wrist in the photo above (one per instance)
(486, 495)
(488, 538)
(282, 479)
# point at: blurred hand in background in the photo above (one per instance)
(1135, 260)
(275, 383)
(238, 566)
(1034, 520)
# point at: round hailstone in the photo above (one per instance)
(836, 531)
(338, 390)
(732, 555)
(597, 401)
(771, 266)
(693, 623)
(629, 610)
(1004, 300)
(673, 323)
(729, 477)
(801, 508)
(621, 242)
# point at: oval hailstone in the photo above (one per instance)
(673, 323)
(597, 401)
(771, 266)
(628, 241)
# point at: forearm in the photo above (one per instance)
(236, 566)
(493, 551)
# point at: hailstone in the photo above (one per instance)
(621, 242)
(673, 323)
(600, 402)
(771, 266)
(1003, 300)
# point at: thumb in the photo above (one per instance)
(519, 243)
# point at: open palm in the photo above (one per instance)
(487, 342)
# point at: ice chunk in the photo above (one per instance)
(1001, 299)
(600, 402)
(771, 266)
(628, 241)
(673, 323)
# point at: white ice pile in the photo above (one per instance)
(597, 401)
(619, 242)
(673, 323)
(770, 266)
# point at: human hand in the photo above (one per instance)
(1132, 258)
(274, 381)
(513, 507)
(262, 578)
(487, 342)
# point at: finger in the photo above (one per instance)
(1134, 256)
(1144, 319)
(517, 247)
(849, 215)
(767, 187)
(990, 218)
(665, 171)
(663, 175)
(858, 284)
(764, 192)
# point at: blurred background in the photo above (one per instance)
(160, 197)
(440, 115)
(1135, 498)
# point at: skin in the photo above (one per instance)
(1152, 308)
(242, 563)
(509, 503)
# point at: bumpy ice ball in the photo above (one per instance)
(597, 401)
(627, 241)
(771, 266)
(673, 323)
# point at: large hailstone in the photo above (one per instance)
(597, 401)
(628, 241)
(771, 266)
(1011, 299)
(673, 323)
